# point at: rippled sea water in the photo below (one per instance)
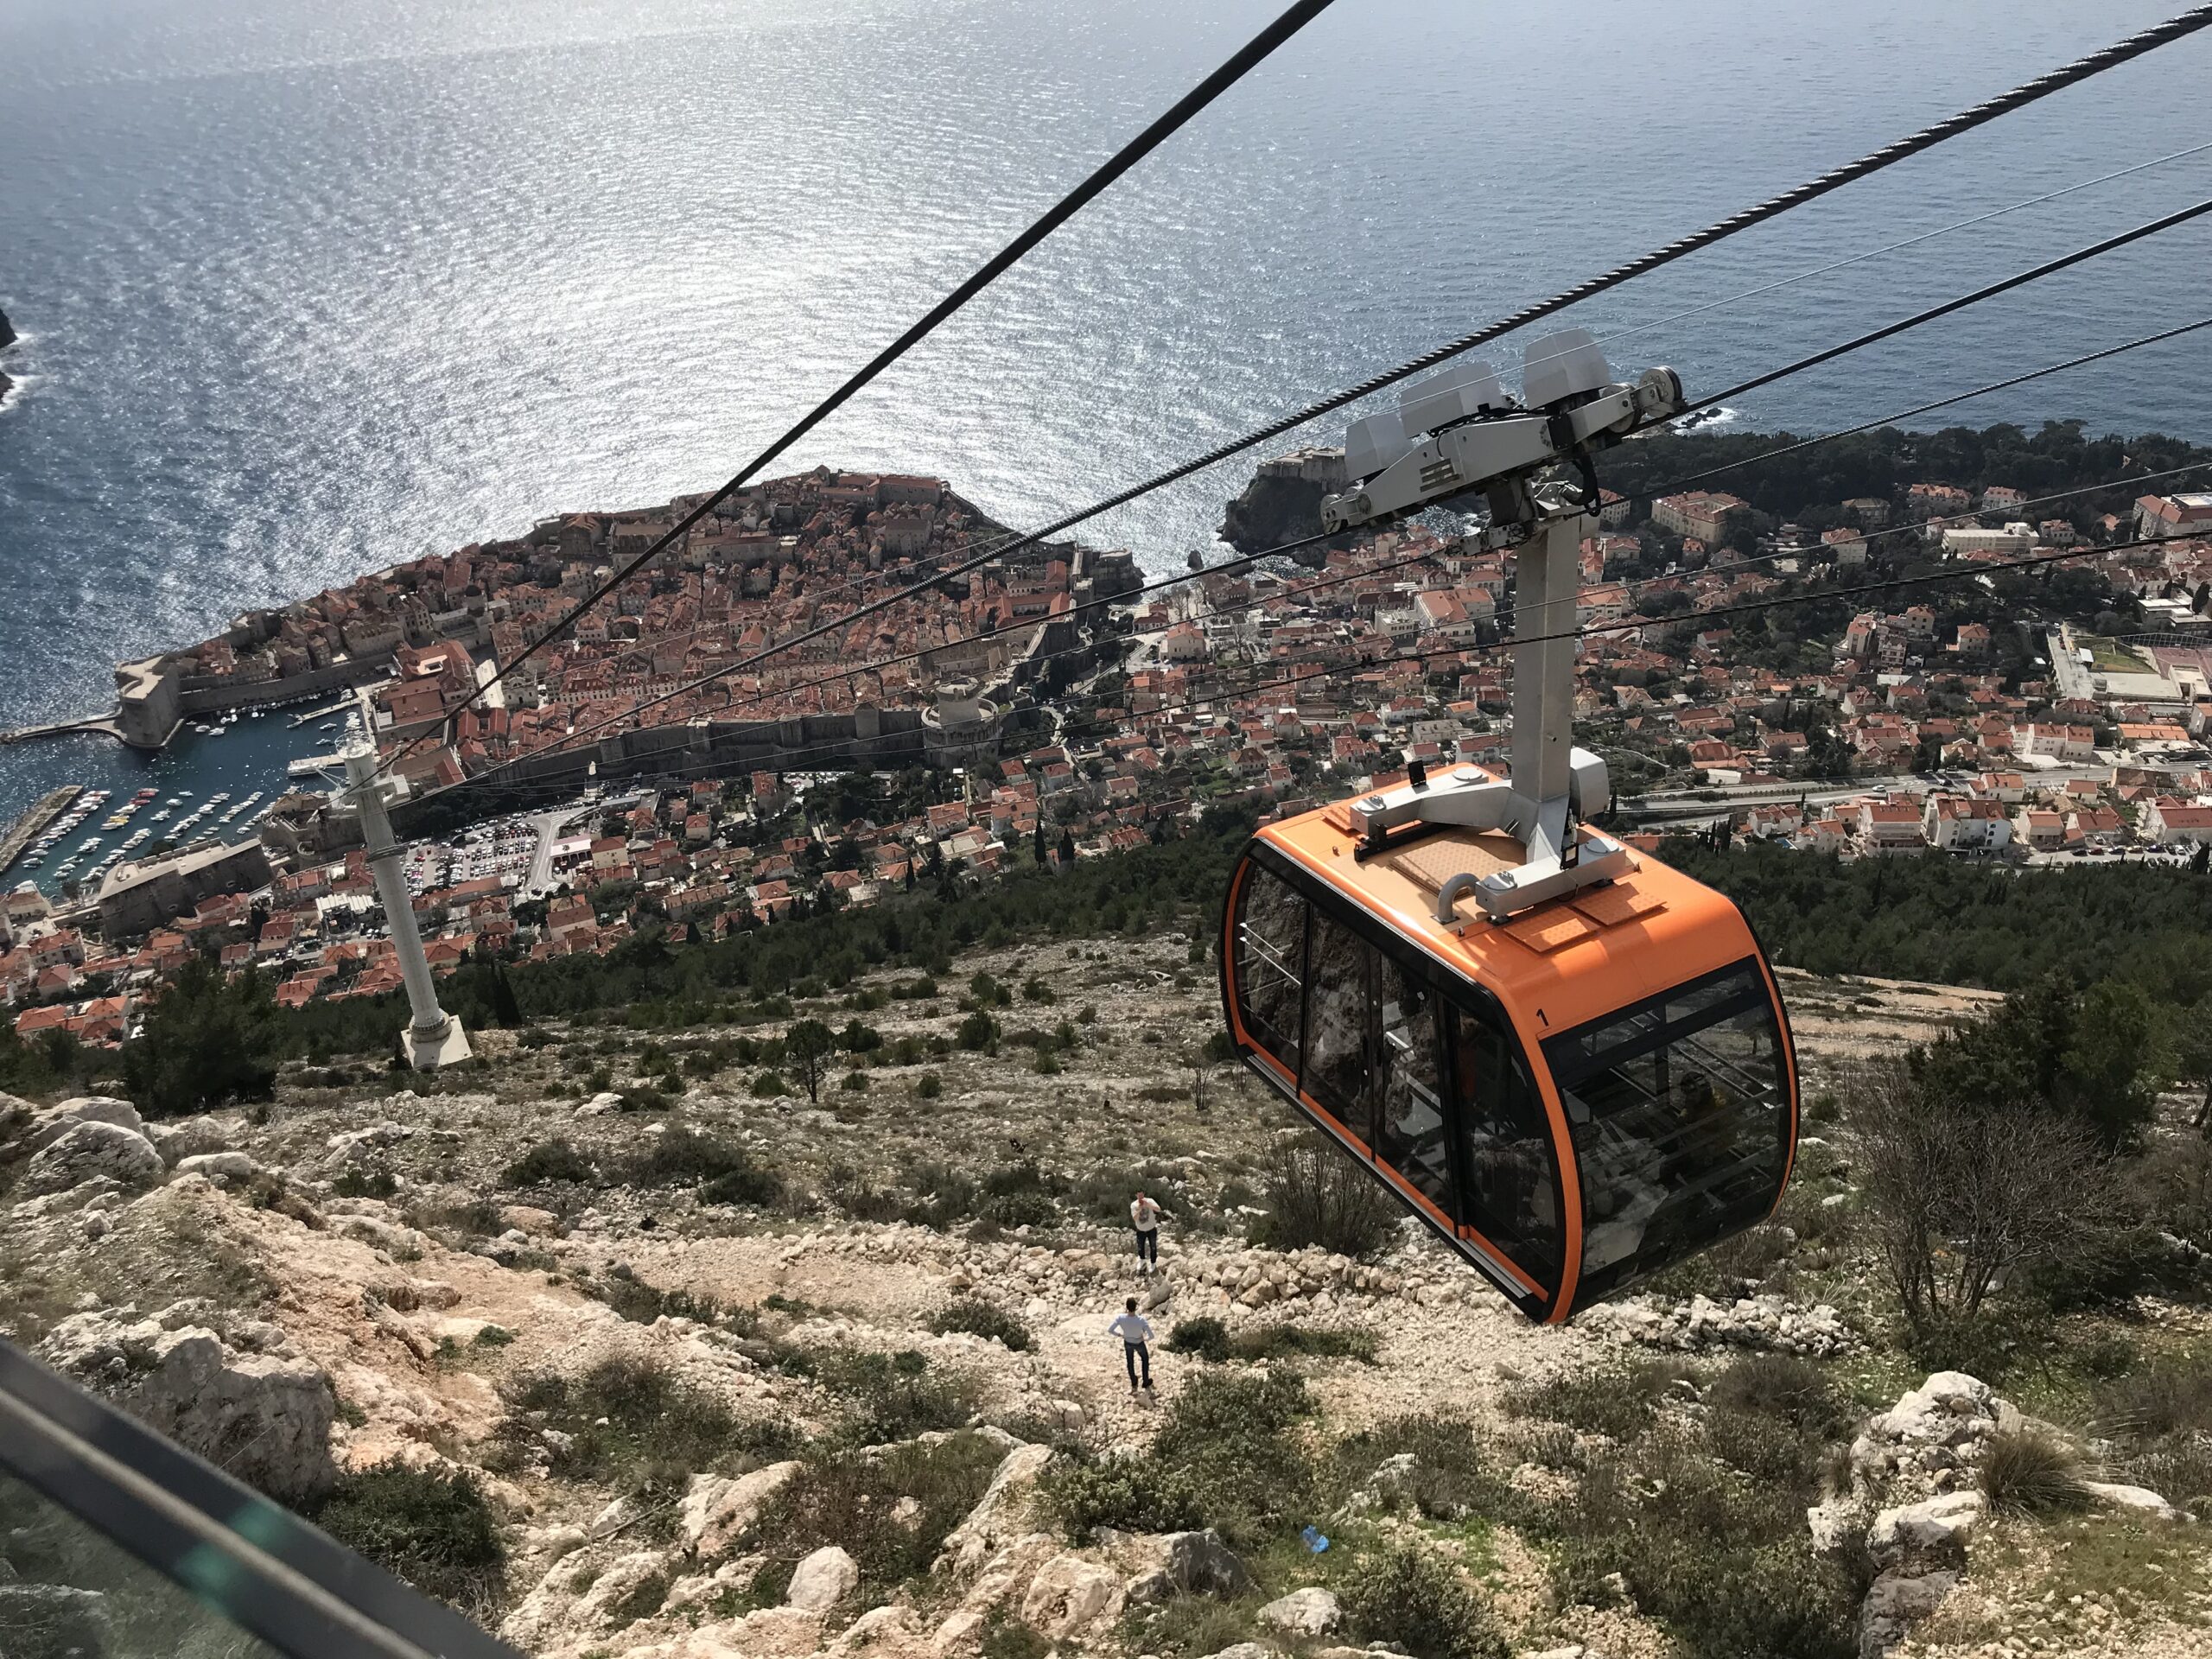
(307, 288)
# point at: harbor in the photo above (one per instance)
(28, 828)
(199, 785)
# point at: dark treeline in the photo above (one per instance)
(1808, 486)
(1965, 924)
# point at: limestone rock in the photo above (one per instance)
(1834, 1524)
(1310, 1611)
(1201, 1564)
(54, 1619)
(86, 1150)
(192, 1137)
(717, 1509)
(618, 1579)
(2141, 1499)
(1245, 1650)
(219, 1166)
(51, 1123)
(823, 1579)
(1940, 1524)
(1894, 1601)
(999, 1515)
(1069, 1593)
(265, 1417)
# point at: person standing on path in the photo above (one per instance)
(1144, 1216)
(1135, 1331)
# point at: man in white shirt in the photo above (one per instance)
(1144, 1216)
(1134, 1331)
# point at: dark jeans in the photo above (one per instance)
(1135, 1354)
(1149, 1244)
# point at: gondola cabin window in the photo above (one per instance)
(1512, 1190)
(1270, 963)
(1680, 1114)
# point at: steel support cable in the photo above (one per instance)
(576, 739)
(1007, 537)
(783, 761)
(1989, 291)
(1653, 492)
(2066, 75)
(1246, 58)
(1738, 297)
(1827, 354)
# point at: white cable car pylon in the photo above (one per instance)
(1452, 437)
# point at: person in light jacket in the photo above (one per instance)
(1135, 1331)
(1144, 1216)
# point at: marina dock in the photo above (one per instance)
(28, 828)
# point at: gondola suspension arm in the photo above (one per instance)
(1458, 434)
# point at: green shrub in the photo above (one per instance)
(852, 1499)
(627, 1418)
(1618, 1402)
(1408, 1595)
(1449, 1479)
(886, 1397)
(430, 1527)
(725, 1170)
(1720, 1560)
(1278, 1341)
(978, 1318)
(547, 1162)
(767, 1085)
(1131, 1494)
(1315, 1195)
(1204, 1336)
(930, 1086)
(2029, 1470)
(977, 1032)
(375, 1183)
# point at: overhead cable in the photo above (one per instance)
(2043, 86)
(2018, 279)
(1247, 57)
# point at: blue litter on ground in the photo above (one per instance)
(1313, 1540)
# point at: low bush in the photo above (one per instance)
(2030, 1471)
(1618, 1402)
(1280, 1341)
(1204, 1336)
(724, 1171)
(1228, 1455)
(1131, 1494)
(852, 1499)
(1409, 1595)
(1315, 1196)
(432, 1528)
(1450, 1478)
(547, 1162)
(1719, 1561)
(978, 1318)
(624, 1421)
(886, 1397)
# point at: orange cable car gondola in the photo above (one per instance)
(1570, 1062)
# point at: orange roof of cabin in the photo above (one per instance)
(1563, 962)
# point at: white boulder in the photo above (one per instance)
(823, 1579)
(1942, 1522)
(86, 1150)
(1310, 1611)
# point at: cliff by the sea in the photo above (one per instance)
(7, 339)
(1283, 502)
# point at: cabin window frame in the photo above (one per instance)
(1454, 995)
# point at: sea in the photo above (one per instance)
(307, 287)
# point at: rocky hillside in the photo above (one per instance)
(625, 1343)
